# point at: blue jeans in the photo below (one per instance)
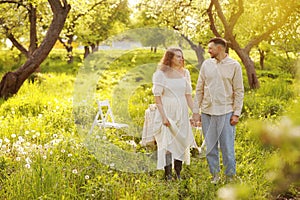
(218, 130)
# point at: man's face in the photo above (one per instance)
(213, 50)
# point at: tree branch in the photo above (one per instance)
(234, 17)
(212, 20)
(14, 41)
(220, 13)
(255, 41)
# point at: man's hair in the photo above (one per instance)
(220, 41)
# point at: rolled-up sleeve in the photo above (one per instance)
(238, 91)
(158, 83)
(188, 88)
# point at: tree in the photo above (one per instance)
(94, 28)
(267, 17)
(184, 16)
(12, 81)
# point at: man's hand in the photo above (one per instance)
(234, 120)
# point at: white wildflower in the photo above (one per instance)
(6, 140)
(27, 165)
(44, 157)
(13, 135)
(18, 158)
(28, 160)
(87, 177)
(63, 151)
(69, 155)
(74, 171)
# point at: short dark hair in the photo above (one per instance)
(219, 40)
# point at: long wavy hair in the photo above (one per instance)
(166, 60)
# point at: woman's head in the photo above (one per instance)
(173, 58)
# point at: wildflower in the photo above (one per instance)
(87, 177)
(55, 135)
(27, 165)
(51, 152)
(6, 140)
(37, 134)
(44, 157)
(69, 155)
(18, 158)
(63, 151)
(26, 132)
(13, 135)
(21, 139)
(28, 160)
(74, 171)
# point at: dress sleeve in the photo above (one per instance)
(158, 83)
(188, 89)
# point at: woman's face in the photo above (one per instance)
(177, 59)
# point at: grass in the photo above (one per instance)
(45, 152)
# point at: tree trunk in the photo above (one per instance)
(86, 51)
(12, 81)
(250, 68)
(262, 58)
(198, 50)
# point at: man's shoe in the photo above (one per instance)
(229, 179)
(216, 179)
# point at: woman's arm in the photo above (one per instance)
(159, 105)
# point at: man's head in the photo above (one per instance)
(216, 46)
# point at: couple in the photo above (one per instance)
(219, 97)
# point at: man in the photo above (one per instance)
(219, 96)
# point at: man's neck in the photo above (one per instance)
(221, 56)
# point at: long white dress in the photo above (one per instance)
(178, 138)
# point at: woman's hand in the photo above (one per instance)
(166, 122)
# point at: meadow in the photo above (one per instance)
(46, 151)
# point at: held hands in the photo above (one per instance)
(196, 120)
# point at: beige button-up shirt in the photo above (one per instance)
(220, 88)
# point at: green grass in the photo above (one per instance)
(44, 154)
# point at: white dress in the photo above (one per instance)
(178, 138)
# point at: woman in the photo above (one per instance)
(173, 133)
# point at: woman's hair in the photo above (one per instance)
(166, 61)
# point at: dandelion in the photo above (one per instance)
(28, 160)
(74, 171)
(13, 135)
(87, 177)
(112, 164)
(6, 140)
(21, 139)
(27, 165)
(69, 155)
